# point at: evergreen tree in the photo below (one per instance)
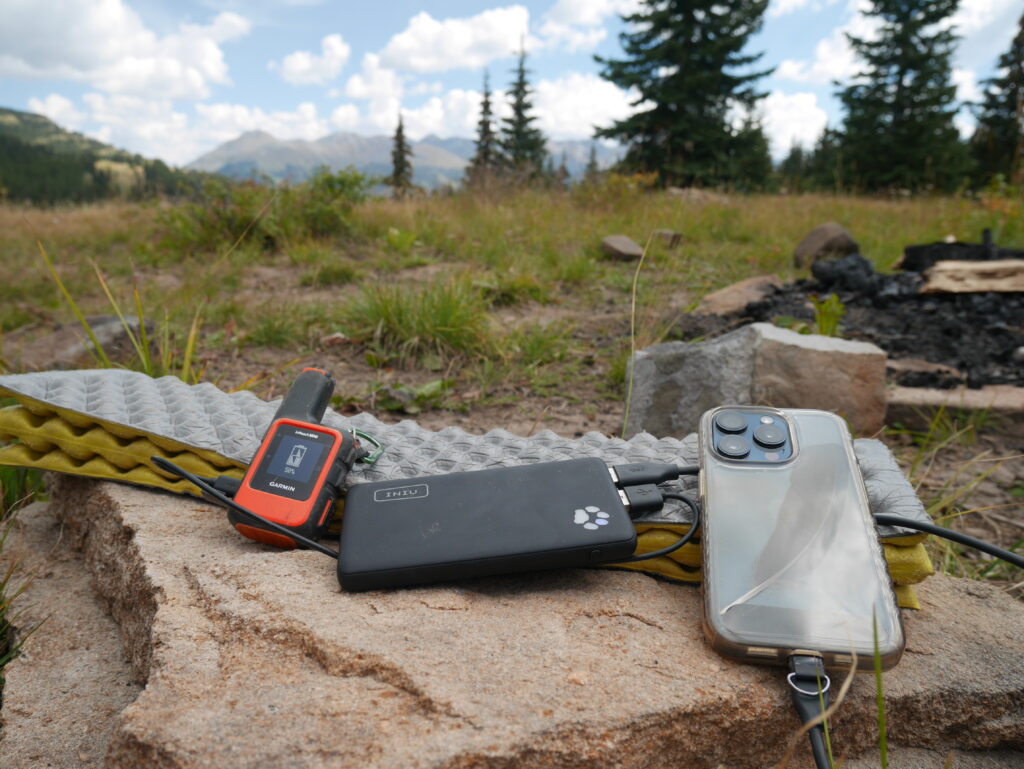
(684, 59)
(998, 142)
(591, 171)
(562, 173)
(522, 144)
(899, 131)
(401, 163)
(825, 168)
(793, 169)
(484, 164)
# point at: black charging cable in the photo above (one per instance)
(643, 473)
(809, 685)
(955, 536)
(214, 495)
(649, 498)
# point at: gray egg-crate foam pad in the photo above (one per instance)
(178, 416)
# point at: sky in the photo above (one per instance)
(176, 79)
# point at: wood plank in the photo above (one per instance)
(959, 277)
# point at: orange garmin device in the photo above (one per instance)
(300, 467)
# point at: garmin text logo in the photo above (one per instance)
(284, 486)
(314, 436)
(398, 493)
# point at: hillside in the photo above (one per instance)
(436, 162)
(40, 162)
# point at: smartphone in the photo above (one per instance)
(791, 558)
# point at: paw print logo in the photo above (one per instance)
(583, 514)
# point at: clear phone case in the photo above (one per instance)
(791, 557)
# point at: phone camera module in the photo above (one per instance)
(770, 436)
(733, 447)
(731, 422)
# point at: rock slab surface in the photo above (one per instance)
(674, 383)
(737, 296)
(63, 695)
(253, 658)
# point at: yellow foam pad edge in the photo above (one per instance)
(907, 565)
(45, 438)
(56, 439)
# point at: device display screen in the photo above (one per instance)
(292, 462)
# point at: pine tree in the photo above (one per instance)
(793, 169)
(592, 170)
(998, 142)
(401, 163)
(684, 59)
(483, 166)
(899, 131)
(825, 167)
(522, 144)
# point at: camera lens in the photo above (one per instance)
(770, 436)
(731, 422)
(733, 447)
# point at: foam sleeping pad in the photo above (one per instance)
(107, 423)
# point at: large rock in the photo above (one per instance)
(737, 296)
(621, 247)
(674, 383)
(62, 697)
(252, 657)
(40, 348)
(823, 242)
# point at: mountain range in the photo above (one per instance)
(436, 162)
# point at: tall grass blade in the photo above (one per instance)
(632, 333)
(142, 356)
(97, 349)
(146, 354)
(186, 374)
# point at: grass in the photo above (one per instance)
(951, 433)
(445, 317)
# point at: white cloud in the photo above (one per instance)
(222, 122)
(570, 107)
(105, 44)
(429, 45)
(974, 15)
(374, 81)
(792, 119)
(151, 127)
(834, 58)
(589, 13)
(578, 25)
(966, 82)
(60, 110)
(304, 68)
(424, 88)
(570, 38)
(454, 114)
(345, 117)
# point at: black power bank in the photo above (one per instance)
(462, 525)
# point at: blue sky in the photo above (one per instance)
(175, 79)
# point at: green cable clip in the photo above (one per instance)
(378, 447)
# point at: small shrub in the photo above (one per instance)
(444, 317)
(274, 329)
(827, 314)
(508, 289)
(536, 345)
(400, 241)
(335, 274)
(228, 214)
